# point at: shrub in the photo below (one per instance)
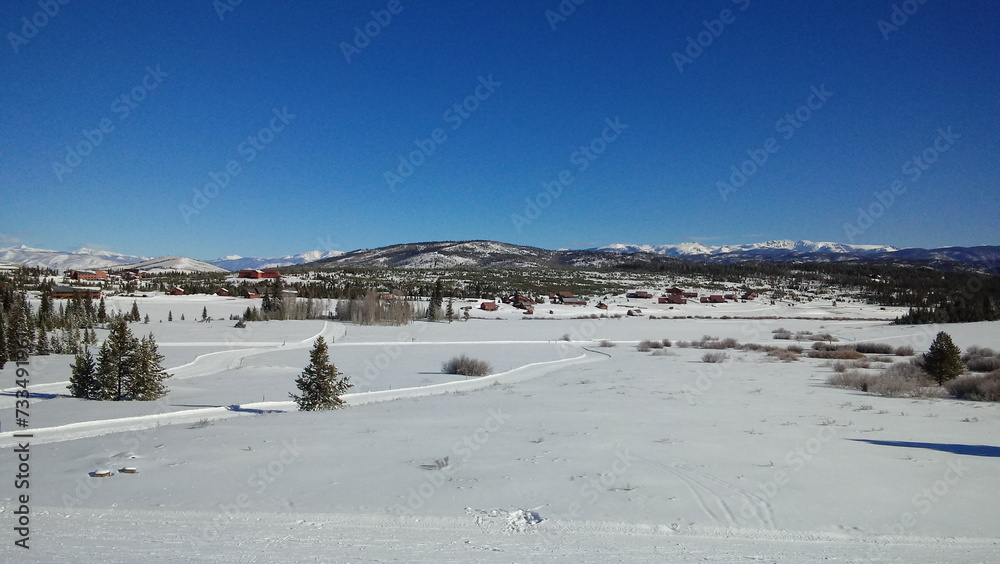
(683, 344)
(730, 343)
(976, 388)
(904, 350)
(837, 354)
(855, 379)
(606, 343)
(664, 352)
(714, 357)
(782, 334)
(874, 348)
(983, 364)
(643, 346)
(795, 348)
(783, 355)
(566, 337)
(466, 366)
(667, 343)
(907, 370)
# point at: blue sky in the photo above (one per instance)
(313, 121)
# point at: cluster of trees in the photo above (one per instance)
(49, 329)
(373, 310)
(126, 368)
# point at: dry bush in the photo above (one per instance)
(855, 379)
(837, 354)
(664, 352)
(976, 388)
(895, 387)
(782, 334)
(904, 350)
(643, 346)
(752, 347)
(606, 344)
(667, 343)
(730, 343)
(566, 337)
(784, 355)
(794, 348)
(683, 344)
(981, 359)
(880, 358)
(467, 366)
(713, 345)
(714, 357)
(874, 348)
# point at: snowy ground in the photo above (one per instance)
(569, 453)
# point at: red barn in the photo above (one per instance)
(176, 291)
(256, 273)
(489, 306)
(88, 275)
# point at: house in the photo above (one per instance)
(70, 292)
(256, 273)
(222, 292)
(730, 296)
(602, 305)
(489, 306)
(522, 302)
(574, 301)
(750, 295)
(675, 291)
(704, 300)
(672, 299)
(690, 295)
(176, 291)
(716, 299)
(88, 275)
(252, 292)
(640, 294)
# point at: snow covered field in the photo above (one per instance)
(570, 452)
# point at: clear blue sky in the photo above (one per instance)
(197, 85)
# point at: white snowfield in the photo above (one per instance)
(569, 452)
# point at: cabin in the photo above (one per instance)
(640, 294)
(522, 302)
(489, 306)
(673, 299)
(256, 273)
(70, 292)
(574, 301)
(704, 300)
(222, 292)
(750, 295)
(602, 305)
(690, 295)
(252, 292)
(717, 299)
(675, 291)
(88, 275)
(176, 291)
(730, 297)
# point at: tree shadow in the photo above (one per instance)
(969, 450)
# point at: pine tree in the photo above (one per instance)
(170, 316)
(204, 313)
(3, 341)
(450, 313)
(117, 361)
(83, 382)
(943, 361)
(437, 299)
(146, 319)
(182, 317)
(102, 312)
(148, 382)
(319, 383)
(42, 343)
(134, 316)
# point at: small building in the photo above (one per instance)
(252, 292)
(489, 306)
(634, 313)
(704, 300)
(222, 292)
(750, 295)
(257, 274)
(602, 305)
(522, 302)
(574, 301)
(673, 299)
(690, 295)
(675, 291)
(639, 294)
(71, 292)
(88, 274)
(176, 291)
(730, 296)
(717, 299)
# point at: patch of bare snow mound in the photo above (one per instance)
(502, 520)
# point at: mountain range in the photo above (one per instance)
(482, 254)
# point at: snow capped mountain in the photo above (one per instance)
(236, 262)
(778, 247)
(82, 259)
(174, 264)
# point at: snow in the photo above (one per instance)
(692, 249)
(568, 453)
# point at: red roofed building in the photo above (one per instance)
(88, 275)
(256, 273)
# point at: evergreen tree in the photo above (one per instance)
(42, 344)
(170, 316)
(45, 320)
(182, 317)
(83, 382)
(146, 319)
(204, 313)
(102, 312)
(134, 316)
(148, 382)
(437, 299)
(3, 341)
(117, 361)
(319, 383)
(450, 313)
(943, 361)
